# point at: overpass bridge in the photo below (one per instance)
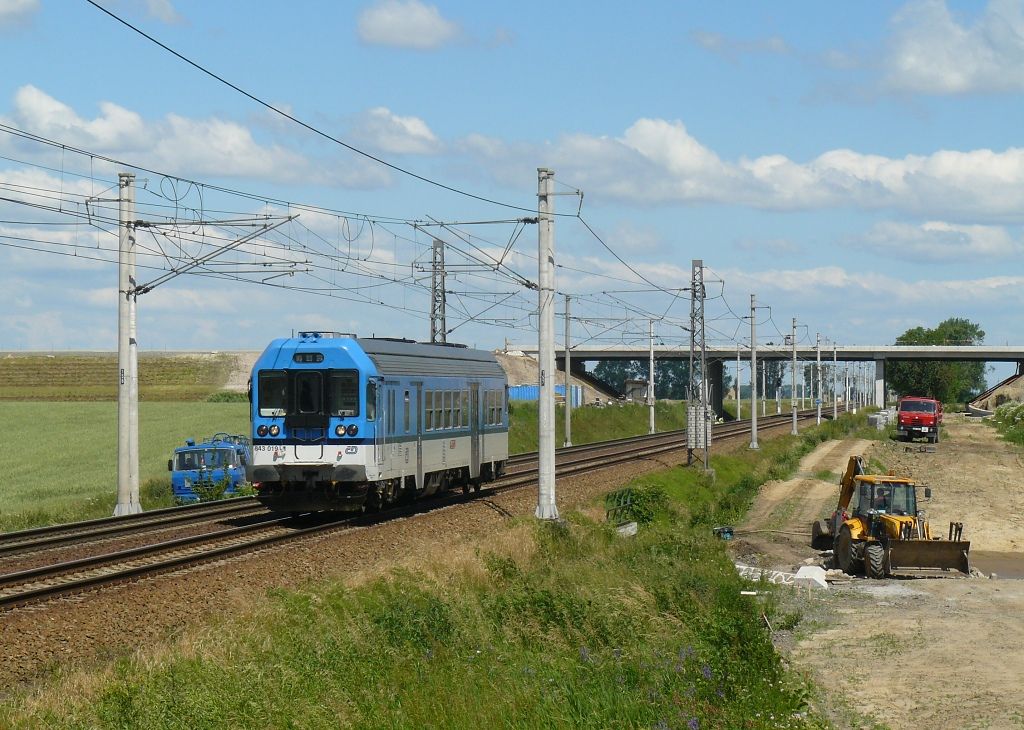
(717, 356)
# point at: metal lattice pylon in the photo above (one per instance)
(438, 328)
(698, 422)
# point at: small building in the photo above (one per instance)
(635, 390)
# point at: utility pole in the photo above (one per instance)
(438, 327)
(835, 382)
(739, 401)
(698, 419)
(792, 396)
(568, 379)
(764, 389)
(650, 379)
(817, 376)
(846, 386)
(127, 446)
(546, 507)
(753, 371)
(128, 293)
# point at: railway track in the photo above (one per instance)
(44, 538)
(45, 582)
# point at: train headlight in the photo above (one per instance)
(339, 430)
(353, 429)
(275, 430)
(261, 430)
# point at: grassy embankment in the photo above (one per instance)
(94, 377)
(59, 461)
(590, 424)
(1008, 419)
(542, 626)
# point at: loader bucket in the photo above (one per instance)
(911, 555)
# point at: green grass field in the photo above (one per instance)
(59, 461)
(590, 424)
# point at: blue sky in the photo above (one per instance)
(855, 165)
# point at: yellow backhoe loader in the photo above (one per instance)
(878, 530)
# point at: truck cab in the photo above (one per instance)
(918, 418)
(207, 463)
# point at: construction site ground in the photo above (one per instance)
(939, 652)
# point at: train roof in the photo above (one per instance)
(403, 357)
(392, 356)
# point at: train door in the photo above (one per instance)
(420, 484)
(380, 428)
(474, 430)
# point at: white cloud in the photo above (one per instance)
(659, 161)
(183, 145)
(940, 241)
(833, 283)
(932, 53)
(17, 12)
(731, 48)
(391, 133)
(405, 24)
(164, 11)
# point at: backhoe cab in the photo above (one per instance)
(878, 530)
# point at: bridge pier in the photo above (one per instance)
(716, 379)
(880, 383)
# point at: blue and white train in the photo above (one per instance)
(342, 423)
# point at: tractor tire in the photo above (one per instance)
(875, 560)
(848, 553)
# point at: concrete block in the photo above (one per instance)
(812, 576)
(627, 530)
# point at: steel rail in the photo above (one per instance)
(103, 529)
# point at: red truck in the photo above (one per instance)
(918, 417)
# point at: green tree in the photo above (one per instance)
(948, 381)
(671, 377)
(773, 374)
(616, 372)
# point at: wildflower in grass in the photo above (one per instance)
(693, 724)
(706, 671)
(662, 725)
(685, 653)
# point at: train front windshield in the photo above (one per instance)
(308, 392)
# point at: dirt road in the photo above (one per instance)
(937, 653)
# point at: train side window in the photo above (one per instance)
(405, 412)
(465, 408)
(371, 401)
(428, 409)
(447, 409)
(490, 408)
(438, 409)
